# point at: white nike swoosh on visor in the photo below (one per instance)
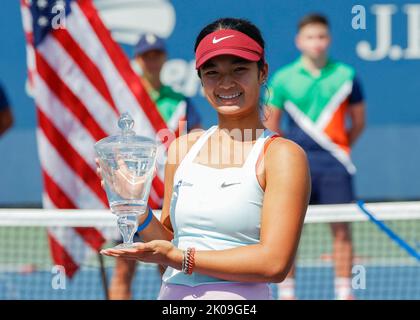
(220, 39)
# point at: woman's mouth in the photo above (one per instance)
(226, 98)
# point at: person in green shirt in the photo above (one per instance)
(180, 116)
(319, 95)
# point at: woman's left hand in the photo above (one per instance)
(156, 251)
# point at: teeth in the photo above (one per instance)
(230, 96)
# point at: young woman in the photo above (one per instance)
(236, 194)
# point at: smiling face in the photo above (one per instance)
(232, 84)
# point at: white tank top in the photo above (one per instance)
(215, 209)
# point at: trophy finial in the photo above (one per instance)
(126, 123)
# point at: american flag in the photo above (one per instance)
(81, 81)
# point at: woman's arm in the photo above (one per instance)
(285, 202)
(287, 189)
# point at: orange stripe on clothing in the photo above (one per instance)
(336, 129)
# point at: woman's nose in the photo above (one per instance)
(226, 82)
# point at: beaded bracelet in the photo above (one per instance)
(188, 261)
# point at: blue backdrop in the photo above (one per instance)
(380, 39)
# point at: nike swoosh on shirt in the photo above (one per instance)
(224, 184)
(220, 39)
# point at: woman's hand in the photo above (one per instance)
(122, 181)
(99, 172)
(156, 251)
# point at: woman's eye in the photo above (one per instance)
(211, 73)
(240, 69)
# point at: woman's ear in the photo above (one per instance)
(263, 80)
(199, 76)
(264, 74)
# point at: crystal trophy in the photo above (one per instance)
(127, 164)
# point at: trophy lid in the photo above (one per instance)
(126, 137)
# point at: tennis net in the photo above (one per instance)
(385, 266)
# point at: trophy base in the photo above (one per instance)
(124, 246)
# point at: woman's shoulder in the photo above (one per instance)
(284, 151)
(180, 146)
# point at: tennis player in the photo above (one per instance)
(228, 228)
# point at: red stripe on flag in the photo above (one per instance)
(92, 236)
(87, 66)
(153, 204)
(71, 156)
(68, 99)
(59, 253)
(122, 64)
(158, 186)
(61, 257)
(29, 37)
(57, 196)
(132, 81)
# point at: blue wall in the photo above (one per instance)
(387, 155)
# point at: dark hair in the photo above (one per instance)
(237, 24)
(313, 18)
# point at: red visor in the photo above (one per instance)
(227, 42)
